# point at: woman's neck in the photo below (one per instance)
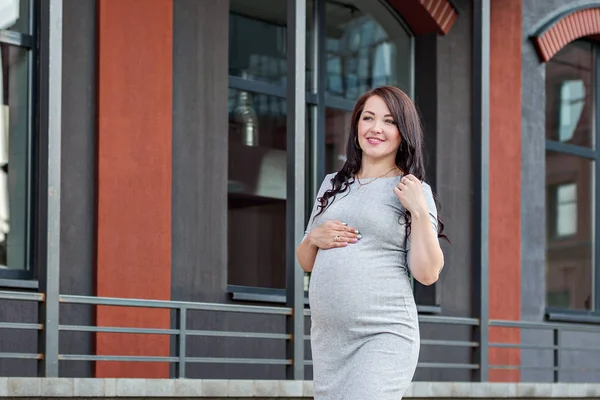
(377, 168)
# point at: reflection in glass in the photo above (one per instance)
(9, 13)
(4, 116)
(569, 250)
(366, 46)
(337, 129)
(569, 95)
(572, 101)
(257, 190)
(566, 209)
(19, 8)
(310, 46)
(257, 40)
(14, 147)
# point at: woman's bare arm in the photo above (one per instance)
(306, 254)
(426, 256)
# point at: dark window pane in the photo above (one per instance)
(337, 129)
(257, 190)
(14, 154)
(257, 40)
(570, 95)
(569, 224)
(310, 45)
(366, 47)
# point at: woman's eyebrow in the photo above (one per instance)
(372, 113)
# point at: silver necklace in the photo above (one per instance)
(360, 184)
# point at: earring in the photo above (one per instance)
(356, 142)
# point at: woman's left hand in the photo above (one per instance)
(410, 193)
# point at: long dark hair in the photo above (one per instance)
(409, 157)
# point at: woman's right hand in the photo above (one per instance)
(332, 234)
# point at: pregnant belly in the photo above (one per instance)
(357, 290)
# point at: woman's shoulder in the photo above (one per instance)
(428, 192)
(328, 178)
(326, 182)
(426, 186)
(427, 189)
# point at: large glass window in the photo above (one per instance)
(366, 46)
(571, 170)
(361, 44)
(257, 40)
(257, 189)
(257, 144)
(16, 139)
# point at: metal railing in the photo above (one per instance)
(182, 309)
(557, 330)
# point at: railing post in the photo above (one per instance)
(296, 181)
(181, 350)
(50, 146)
(556, 353)
(481, 85)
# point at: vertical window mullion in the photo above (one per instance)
(31, 112)
(296, 180)
(596, 228)
(319, 87)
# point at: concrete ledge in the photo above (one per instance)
(269, 389)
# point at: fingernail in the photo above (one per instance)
(359, 236)
(356, 231)
(343, 223)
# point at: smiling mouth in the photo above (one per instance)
(373, 140)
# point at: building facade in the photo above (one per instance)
(172, 149)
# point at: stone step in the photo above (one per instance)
(35, 388)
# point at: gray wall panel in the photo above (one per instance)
(78, 177)
(426, 92)
(18, 341)
(533, 188)
(200, 124)
(77, 199)
(199, 219)
(581, 365)
(454, 150)
(454, 188)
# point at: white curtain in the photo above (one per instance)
(4, 206)
(9, 13)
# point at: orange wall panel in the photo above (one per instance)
(135, 47)
(505, 182)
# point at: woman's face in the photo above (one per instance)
(378, 134)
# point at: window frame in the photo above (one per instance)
(591, 154)
(317, 101)
(24, 277)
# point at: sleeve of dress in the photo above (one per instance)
(325, 185)
(432, 216)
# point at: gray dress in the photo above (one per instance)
(364, 332)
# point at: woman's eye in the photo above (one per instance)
(367, 118)
(389, 121)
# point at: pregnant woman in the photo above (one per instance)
(373, 222)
